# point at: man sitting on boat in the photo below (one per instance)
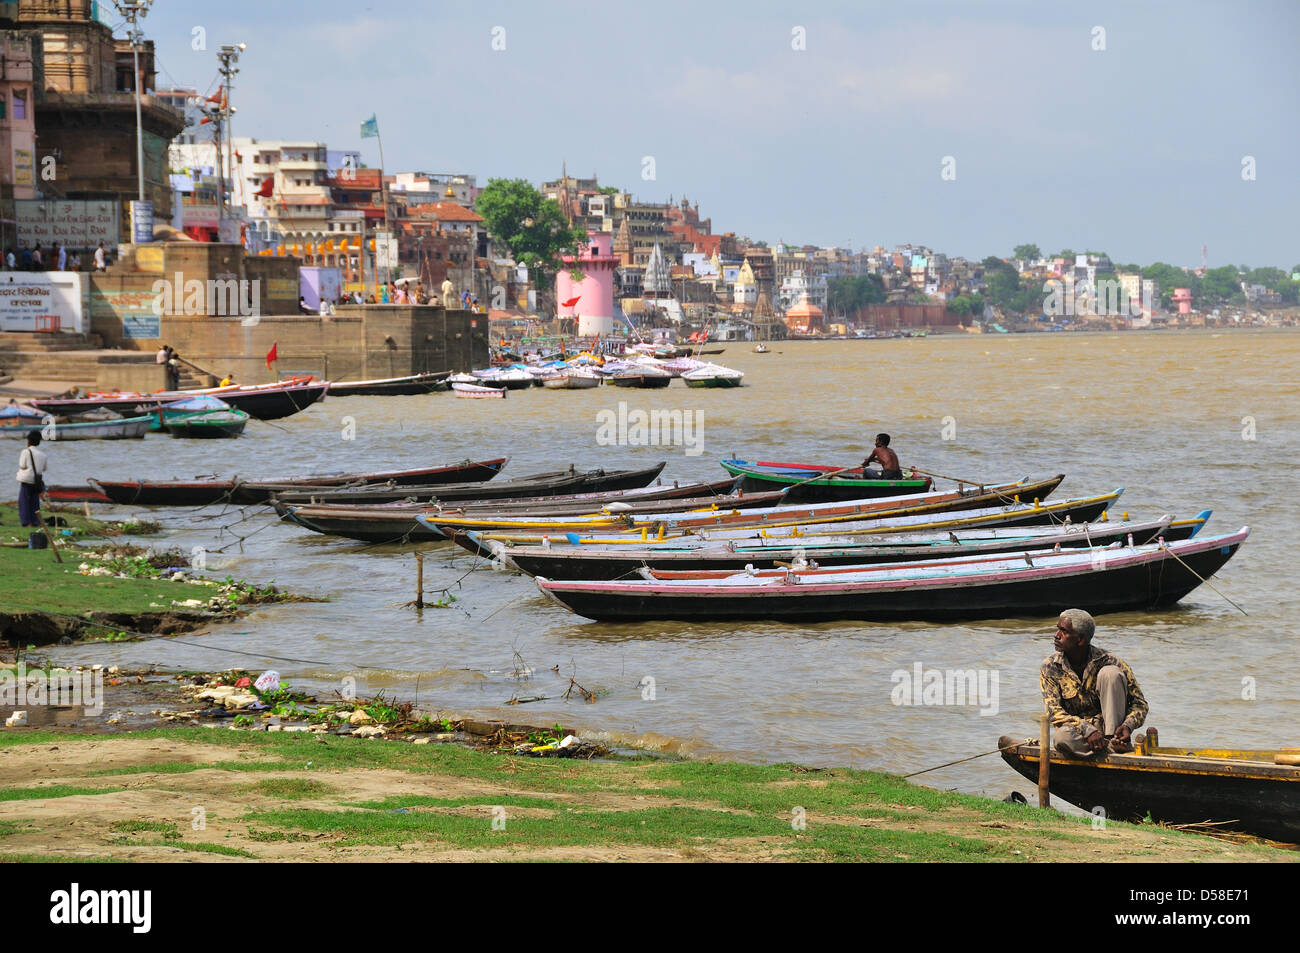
(1092, 696)
(888, 460)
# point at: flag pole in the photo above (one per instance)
(383, 196)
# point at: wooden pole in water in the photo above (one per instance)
(1044, 759)
(419, 580)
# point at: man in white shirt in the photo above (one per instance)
(9, 259)
(32, 464)
(63, 258)
(99, 257)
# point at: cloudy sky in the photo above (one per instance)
(1141, 129)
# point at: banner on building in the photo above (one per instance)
(141, 222)
(24, 167)
(73, 224)
(40, 301)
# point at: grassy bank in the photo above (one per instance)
(103, 586)
(278, 796)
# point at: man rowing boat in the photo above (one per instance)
(888, 460)
(1092, 696)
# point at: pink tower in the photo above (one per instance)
(1183, 298)
(594, 308)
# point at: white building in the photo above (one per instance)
(798, 284)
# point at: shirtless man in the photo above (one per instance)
(888, 460)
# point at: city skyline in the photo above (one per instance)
(966, 130)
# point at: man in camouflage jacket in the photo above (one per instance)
(1092, 696)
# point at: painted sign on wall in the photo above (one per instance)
(135, 309)
(75, 224)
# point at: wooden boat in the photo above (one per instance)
(805, 486)
(713, 375)
(515, 377)
(121, 428)
(263, 401)
(785, 515)
(391, 386)
(616, 562)
(539, 484)
(571, 378)
(641, 375)
(971, 587)
(204, 416)
(1084, 509)
(203, 491)
(383, 524)
(1251, 791)
(477, 391)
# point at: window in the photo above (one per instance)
(20, 104)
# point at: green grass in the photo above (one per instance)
(52, 859)
(682, 805)
(166, 828)
(10, 827)
(289, 788)
(49, 791)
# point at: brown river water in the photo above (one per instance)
(1162, 414)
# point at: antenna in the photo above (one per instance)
(1203, 259)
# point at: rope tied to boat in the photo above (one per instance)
(1165, 546)
(982, 754)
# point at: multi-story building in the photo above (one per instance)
(18, 65)
(85, 108)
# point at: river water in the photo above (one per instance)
(1169, 416)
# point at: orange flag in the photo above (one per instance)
(271, 356)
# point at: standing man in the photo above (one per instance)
(1092, 696)
(100, 264)
(9, 259)
(448, 292)
(888, 460)
(62, 257)
(37, 263)
(32, 464)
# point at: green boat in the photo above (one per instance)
(804, 485)
(202, 417)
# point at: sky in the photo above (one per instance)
(1142, 129)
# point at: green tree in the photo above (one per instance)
(1027, 252)
(533, 228)
(1221, 285)
(851, 293)
(1271, 278)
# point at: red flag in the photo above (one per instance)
(570, 303)
(271, 356)
(268, 184)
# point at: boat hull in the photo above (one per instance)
(1253, 797)
(391, 387)
(803, 489)
(1150, 584)
(592, 562)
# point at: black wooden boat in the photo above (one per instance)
(1251, 791)
(974, 587)
(263, 402)
(207, 490)
(540, 484)
(617, 562)
(392, 386)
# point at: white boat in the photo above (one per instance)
(713, 375)
(572, 378)
(760, 349)
(462, 389)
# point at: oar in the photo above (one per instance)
(941, 476)
(820, 476)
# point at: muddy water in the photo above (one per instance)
(1160, 414)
